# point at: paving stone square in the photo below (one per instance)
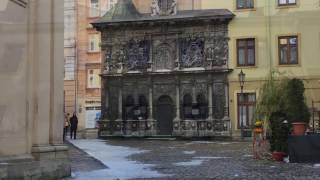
(176, 159)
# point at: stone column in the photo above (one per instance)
(150, 108)
(120, 103)
(177, 103)
(210, 100)
(226, 107)
(119, 119)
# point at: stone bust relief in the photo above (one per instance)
(163, 7)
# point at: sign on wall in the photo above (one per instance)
(92, 116)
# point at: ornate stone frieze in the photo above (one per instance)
(192, 52)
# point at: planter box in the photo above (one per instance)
(304, 149)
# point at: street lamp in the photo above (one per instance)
(242, 77)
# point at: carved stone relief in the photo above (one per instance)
(192, 52)
(137, 54)
(163, 7)
(163, 57)
(217, 51)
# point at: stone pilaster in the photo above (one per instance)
(210, 100)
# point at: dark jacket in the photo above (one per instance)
(74, 122)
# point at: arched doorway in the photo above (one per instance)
(165, 115)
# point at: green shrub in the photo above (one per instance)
(280, 130)
(295, 105)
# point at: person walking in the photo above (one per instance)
(74, 126)
(66, 125)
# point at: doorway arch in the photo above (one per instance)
(165, 115)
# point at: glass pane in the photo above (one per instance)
(241, 57)
(251, 42)
(241, 98)
(251, 113)
(241, 3)
(250, 4)
(292, 1)
(293, 40)
(252, 98)
(243, 116)
(283, 41)
(283, 55)
(282, 1)
(241, 43)
(251, 57)
(293, 55)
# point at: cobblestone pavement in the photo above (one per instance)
(82, 162)
(213, 160)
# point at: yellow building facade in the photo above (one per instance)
(265, 35)
(270, 24)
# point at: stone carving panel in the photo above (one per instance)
(217, 51)
(192, 52)
(163, 7)
(218, 100)
(163, 57)
(137, 54)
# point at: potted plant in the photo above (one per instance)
(279, 136)
(270, 108)
(296, 107)
(271, 98)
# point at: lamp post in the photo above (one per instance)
(242, 77)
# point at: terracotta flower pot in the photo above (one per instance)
(278, 156)
(258, 130)
(299, 128)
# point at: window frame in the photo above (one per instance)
(246, 63)
(246, 7)
(94, 39)
(289, 46)
(287, 3)
(247, 104)
(93, 76)
(94, 12)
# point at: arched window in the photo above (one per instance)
(142, 111)
(202, 107)
(129, 108)
(187, 106)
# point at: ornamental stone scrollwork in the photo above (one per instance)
(137, 54)
(115, 57)
(163, 7)
(217, 51)
(192, 52)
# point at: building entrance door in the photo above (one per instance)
(165, 115)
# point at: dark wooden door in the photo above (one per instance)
(165, 115)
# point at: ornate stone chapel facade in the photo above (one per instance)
(164, 73)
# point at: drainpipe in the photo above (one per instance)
(268, 34)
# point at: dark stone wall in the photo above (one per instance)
(154, 61)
